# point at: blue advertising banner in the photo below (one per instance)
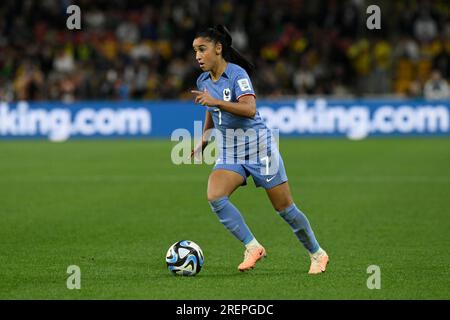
(353, 119)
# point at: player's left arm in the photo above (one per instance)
(245, 106)
(242, 89)
(245, 103)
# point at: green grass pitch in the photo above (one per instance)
(114, 207)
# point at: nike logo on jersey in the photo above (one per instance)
(270, 179)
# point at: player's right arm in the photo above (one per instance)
(209, 124)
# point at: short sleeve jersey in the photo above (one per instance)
(232, 85)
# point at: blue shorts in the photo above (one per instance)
(263, 176)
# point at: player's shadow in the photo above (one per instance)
(265, 272)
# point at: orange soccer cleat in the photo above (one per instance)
(251, 257)
(319, 261)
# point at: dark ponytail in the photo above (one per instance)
(221, 34)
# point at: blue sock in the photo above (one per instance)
(301, 227)
(232, 219)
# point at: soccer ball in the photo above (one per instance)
(184, 258)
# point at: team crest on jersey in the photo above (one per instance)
(226, 94)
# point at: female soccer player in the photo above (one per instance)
(226, 90)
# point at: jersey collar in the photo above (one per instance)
(226, 73)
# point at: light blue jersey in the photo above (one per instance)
(248, 146)
(233, 84)
(237, 145)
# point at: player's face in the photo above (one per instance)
(207, 53)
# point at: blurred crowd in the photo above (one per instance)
(143, 49)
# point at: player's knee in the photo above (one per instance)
(282, 205)
(214, 195)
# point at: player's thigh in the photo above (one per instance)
(280, 196)
(222, 183)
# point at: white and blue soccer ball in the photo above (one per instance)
(184, 258)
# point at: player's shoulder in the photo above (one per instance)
(236, 70)
(240, 78)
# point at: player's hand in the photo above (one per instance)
(196, 153)
(204, 98)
